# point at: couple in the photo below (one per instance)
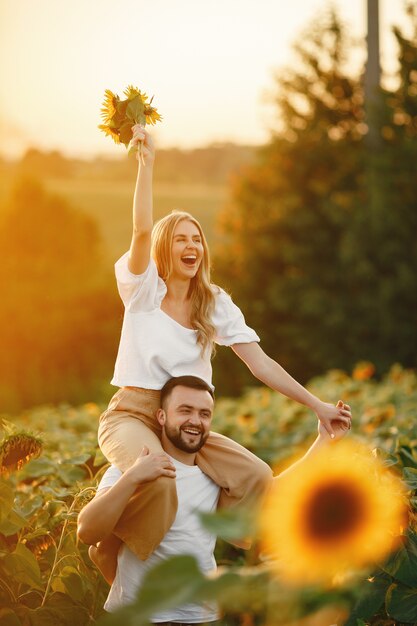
(185, 418)
(173, 316)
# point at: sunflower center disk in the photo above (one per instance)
(334, 512)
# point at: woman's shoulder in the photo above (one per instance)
(139, 291)
(223, 300)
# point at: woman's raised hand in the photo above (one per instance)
(144, 143)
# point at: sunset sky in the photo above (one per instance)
(209, 65)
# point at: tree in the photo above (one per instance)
(300, 249)
(55, 332)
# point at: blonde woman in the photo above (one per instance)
(173, 317)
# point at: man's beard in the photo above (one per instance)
(177, 440)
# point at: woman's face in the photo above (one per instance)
(187, 250)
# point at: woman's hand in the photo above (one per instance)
(330, 414)
(149, 466)
(340, 429)
(144, 143)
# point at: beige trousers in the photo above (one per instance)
(127, 425)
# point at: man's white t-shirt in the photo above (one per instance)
(196, 493)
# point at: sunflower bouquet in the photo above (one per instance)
(119, 116)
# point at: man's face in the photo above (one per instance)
(186, 418)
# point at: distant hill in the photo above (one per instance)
(196, 180)
(213, 164)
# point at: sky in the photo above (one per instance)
(210, 65)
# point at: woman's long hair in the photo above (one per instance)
(201, 289)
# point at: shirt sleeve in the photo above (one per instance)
(230, 324)
(110, 477)
(139, 292)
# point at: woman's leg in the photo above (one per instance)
(104, 557)
(244, 477)
(125, 427)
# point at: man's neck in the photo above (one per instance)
(187, 458)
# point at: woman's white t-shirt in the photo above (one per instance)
(153, 346)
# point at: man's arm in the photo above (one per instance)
(340, 428)
(97, 520)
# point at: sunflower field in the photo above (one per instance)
(50, 466)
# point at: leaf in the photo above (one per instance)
(13, 523)
(99, 459)
(407, 457)
(59, 610)
(23, 567)
(81, 459)
(235, 591)
(135, 111)
(38, 468)
(28, 507)
(9, 618)
(70, 582)
(230, 524)
(370, 601)
(70, 474)
(169, 584)
(401, 603)
(410, 477)
(126, 133)
(6, 500)
(403, 564)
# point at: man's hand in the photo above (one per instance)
(150, 466)
(340, 427)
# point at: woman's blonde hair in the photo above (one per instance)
(201, 289)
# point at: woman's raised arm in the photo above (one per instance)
(140, 246)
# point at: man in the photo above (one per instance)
(185, 417)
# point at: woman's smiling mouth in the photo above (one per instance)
(189, 259)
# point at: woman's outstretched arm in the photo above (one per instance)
(140, 246)
(272, 374)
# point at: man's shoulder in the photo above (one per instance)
(109, 478)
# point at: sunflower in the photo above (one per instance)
(109, 107)
(131, 92)
(119, 116)
(152, 115)
(18, 449)
(340, 511)
(364, 370)
(111, 132)
(40, 544)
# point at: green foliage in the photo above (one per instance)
(53, 292)
(318, 247)
(45, 574)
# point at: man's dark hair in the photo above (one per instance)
(193, 382)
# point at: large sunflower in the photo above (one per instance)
(337, 512)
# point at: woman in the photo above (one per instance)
(173, 317)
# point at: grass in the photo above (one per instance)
(110, 202)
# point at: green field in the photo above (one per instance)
(110, 202)
(46, 577)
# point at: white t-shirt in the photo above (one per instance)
(153, 346)
(196, 492)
